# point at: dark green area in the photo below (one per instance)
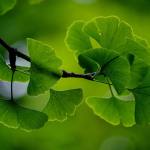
(48, 22)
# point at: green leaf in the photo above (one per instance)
(44, 67)
(109, 32)
(6, 5)
(119, 73)
(142, 41)
(113, 110)
(63, 104)
(110, 64)
(91, 29)
(6, 73)
(76, 39)
(142, 97)
(138, 71)
(14, 116)
(132, 47)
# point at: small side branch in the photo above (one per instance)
(110, 88)
(88, 76)
(65, 74)
(14, 50)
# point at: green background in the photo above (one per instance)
(48, 22)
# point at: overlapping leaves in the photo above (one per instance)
(63, 104)
(105, 47)
(119, 56)
(114, 110)
(44, 67)
(16, 116)
(42, 75)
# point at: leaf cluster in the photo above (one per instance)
(109, 51)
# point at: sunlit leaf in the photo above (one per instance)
(132, 47)
(44, 67)
(109, 32)
(76, 39)
(15, 116)
(114, 110)
(138, 71)
(110, 65)
(142, 97)
(141, 41)
(63, 104)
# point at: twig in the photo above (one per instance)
(110, 87)
(65, 74)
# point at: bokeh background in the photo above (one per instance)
(48, 21)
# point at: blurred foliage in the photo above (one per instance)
(48, 21)
(138, 5)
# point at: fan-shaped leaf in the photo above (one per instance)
(15, 116)
(132, 47)
(113, 110)
(44, 67)
(138, 72)
(76, 39)
(142, 97)
(63, 103)
(110, 64)
(109, 32)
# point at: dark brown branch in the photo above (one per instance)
(88, 76)
(65, 74)
(14, 50)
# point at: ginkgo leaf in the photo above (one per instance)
(44, 67)
(114, 110)
(111, 65)
(142, 98)
(76, 39)
(142, 41)
(92, 59)
(91, 29)
(15, 116)
(6, 5)
(6, 73)
(138, 70)
(109, 32)
(132, 47)
(63, 104)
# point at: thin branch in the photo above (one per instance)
(88, 76)
(14, 50)
(65, 74)
(110, 87)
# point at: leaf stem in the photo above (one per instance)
(112, 94)
(12, 98)
(65, 74)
